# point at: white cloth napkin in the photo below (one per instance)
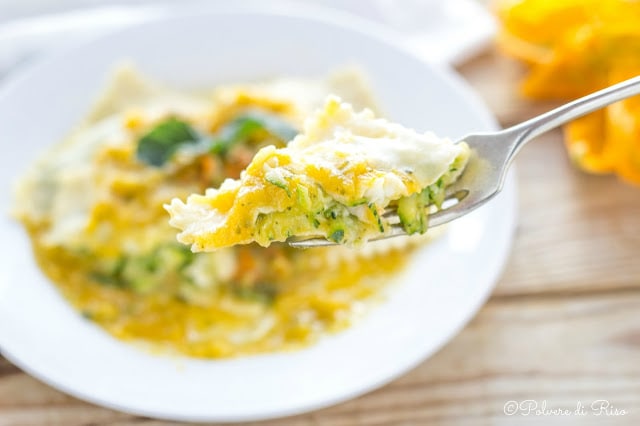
(440, 31)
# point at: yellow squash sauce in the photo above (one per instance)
(316, 297)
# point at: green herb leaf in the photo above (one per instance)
(232, 133)
(274, 125)
(156, 147)
(247, 125)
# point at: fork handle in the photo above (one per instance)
(556, 117)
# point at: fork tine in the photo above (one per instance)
(394, 231)
(449, 212)
(458, 195)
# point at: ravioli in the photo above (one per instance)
(334, 180)
(93, 207)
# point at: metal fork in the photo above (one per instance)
(492, 154)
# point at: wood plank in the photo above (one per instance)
(576, 231)
(557, 349)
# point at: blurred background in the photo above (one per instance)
(440, 31)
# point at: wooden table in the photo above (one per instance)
(562, 326)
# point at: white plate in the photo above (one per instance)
(445, 285)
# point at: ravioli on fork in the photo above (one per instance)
(334, 180)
